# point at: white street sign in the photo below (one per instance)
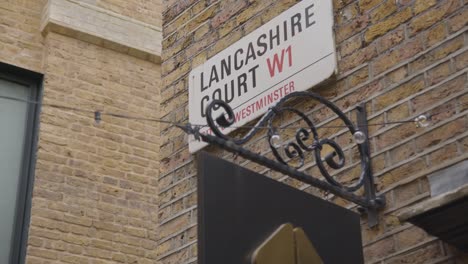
(293, 52)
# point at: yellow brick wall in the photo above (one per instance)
(21, 42)
(403, 58)
(95, 190)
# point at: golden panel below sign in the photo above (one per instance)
(278, 248)
(287, 246)
(305, 251)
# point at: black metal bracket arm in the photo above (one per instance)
(290, 155)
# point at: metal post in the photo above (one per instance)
(369, 186)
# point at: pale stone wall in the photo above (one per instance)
(102, 27)
(148, 11)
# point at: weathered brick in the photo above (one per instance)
(388, 24)
(366, 5)
(437, 54)
(228, 9)
(423, 101)
(439, 73)
(401, 173)
(357, 25)
(435, 34)
(436, 136)
(396, 135)
(398, 55)
(402, 194)
(360, 94)
(370, 234)
(43, 253)
(358, 77)
(400, 112)
(379, 249)
(181, 20)
(444, 111)
(461, 61)
(423, 5)
(402, 153)
(445, 153)
(383, 10)
(407, 89)
(432, 16)
(254, 8)
(350, 45)
(348, 13)
(225, 42)
(252, 24)
(391, 39)
(357, 58)
(276, 8)
(175, 8)
(201, 18)
(397, 75)
(458, 21)
(422, 255)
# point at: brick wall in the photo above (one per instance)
(95, 190)
(403, 58)
(21, 42)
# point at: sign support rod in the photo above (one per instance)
(369, 186)
(290, 155)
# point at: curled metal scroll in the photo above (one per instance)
(305, 141)
(297, 148)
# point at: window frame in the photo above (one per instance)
(33, 80)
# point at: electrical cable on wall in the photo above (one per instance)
(420, 121)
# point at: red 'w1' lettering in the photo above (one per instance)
(278, 63)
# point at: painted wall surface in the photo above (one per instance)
(402, 58)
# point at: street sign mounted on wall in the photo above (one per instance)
(293, 52)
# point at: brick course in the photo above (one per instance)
(403, 58)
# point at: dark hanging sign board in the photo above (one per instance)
(239, 210)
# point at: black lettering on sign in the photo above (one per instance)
(238, 65)
(275, 36)
(225, 68)
(263, 45)
(227, 78)
(309, 14)
(250, 53)
(296, 24)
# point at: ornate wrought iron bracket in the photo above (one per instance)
(306, 141)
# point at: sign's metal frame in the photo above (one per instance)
(370, 202)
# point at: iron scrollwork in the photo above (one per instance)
(306, 141)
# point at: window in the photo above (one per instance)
(17, 145)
